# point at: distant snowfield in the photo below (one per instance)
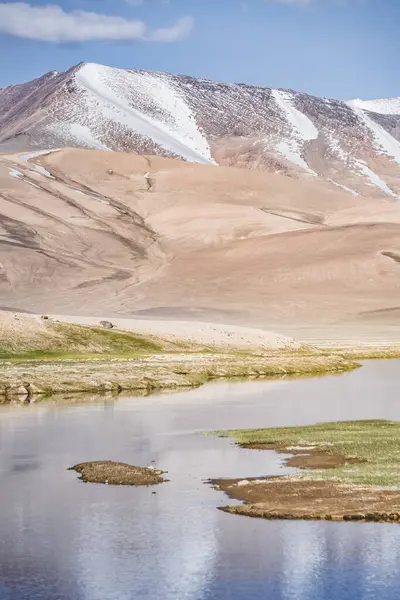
(384, 142)
(303, 130)
(375, 180)
(385, 106)
(109, 95)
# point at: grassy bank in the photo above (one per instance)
(150, 372)
(375, 445)
(63, 340)
(40, 357)
(348, 471)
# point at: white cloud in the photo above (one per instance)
(181, 29)
(52, 24)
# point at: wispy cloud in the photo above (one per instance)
(181, 29)
(52, 24)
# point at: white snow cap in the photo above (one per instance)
(384, 106)
(147, 104)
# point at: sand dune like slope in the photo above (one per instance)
(86, 232)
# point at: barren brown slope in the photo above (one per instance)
(316, 276)
(113, 234)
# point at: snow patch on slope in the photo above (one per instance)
(291, 153)
(15, 173)
(303, 130)
(43, 171)
(113, 94)
(80, 134)
(26, 157)
(344, 187)
(18, 175)
(38, 168)
(384, 142)
(336, 148)
(385, 106)
(376, 181)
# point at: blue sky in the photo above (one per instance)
(334, 48)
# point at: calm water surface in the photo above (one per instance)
(61, 539)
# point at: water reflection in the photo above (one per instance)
(309, 561)
(61, 539)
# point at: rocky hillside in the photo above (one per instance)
(354, 145)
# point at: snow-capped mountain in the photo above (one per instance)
(354, 145)
(384, 106)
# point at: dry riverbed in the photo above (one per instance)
(347, 472)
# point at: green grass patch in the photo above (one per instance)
(104, 340)
(61, 340)
(375, 442)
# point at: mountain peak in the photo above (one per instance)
(383, 106)
(354, 145)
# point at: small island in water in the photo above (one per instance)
(116, 473)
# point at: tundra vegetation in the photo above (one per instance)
(347, 471)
